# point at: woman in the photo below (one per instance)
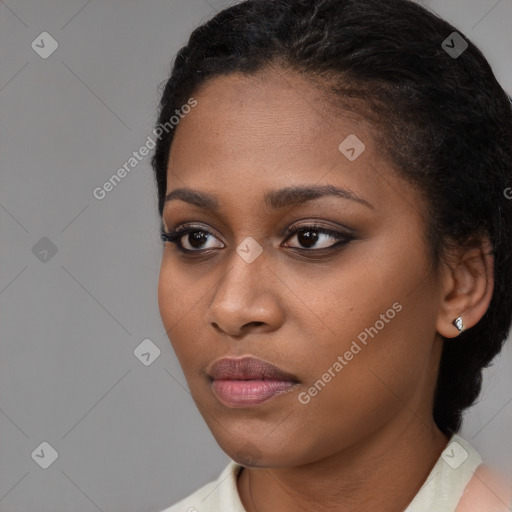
(336, 269)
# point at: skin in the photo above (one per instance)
(486, 491)
(368, 439)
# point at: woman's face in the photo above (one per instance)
(352, 318)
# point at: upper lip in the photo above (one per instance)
(247, 368)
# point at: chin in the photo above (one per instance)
(249, 455)
(253, 454)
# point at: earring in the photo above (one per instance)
(458, 324)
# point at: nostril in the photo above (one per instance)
(254, 324)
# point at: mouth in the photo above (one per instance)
(248, 381)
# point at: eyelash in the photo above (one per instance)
(176, 235)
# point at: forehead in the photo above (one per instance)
(251, 134)
(276, 107)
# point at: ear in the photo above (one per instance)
(467, 283)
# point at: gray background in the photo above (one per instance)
(128, 436)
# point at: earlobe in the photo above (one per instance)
(467, 286)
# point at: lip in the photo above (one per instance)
(248, 381)
(248, 368)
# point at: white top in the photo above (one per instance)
(441, 491)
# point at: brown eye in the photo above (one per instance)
(317, 237)
(190, 238)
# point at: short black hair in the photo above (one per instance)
(443, 120)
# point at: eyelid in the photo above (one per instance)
(309, 222)
(174, 235)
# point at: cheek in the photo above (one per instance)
(380, 315)
(180, 303)
(172, 303)
(166, 296)
(370, 386)
(178, 290)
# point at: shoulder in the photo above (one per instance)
(487, 491)
(461, 482)
(217, 495)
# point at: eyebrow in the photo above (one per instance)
(275, 199)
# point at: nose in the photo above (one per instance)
(246, 298)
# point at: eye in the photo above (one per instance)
(309, 235)
(191, 239)
(193, 236)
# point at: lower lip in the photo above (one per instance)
(244, 393)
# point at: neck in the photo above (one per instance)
(383, 472)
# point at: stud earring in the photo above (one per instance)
(458, 324)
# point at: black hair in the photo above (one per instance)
(442, 119)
